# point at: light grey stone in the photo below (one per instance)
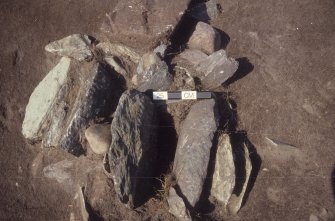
(99, 137)
(75, 46)
(117, 67)
(161, 50)
(133, 152)
(144, 23)
(206, 11)
(205, 38)
(223, 182)
(43, 99)
(177, 206)
(236, 199)
(119, 50)
(215, 69)
(152, 74)
(193, 149)
(193, 56)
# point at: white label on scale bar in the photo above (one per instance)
(160, 95)
(188, 95)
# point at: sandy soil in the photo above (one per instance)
(284, 91)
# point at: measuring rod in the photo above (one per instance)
(181, 95)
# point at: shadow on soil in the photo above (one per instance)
(333, 182)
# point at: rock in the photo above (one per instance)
(193, 56)
(133, 151)
(152, 73)
(117, 67)
(235, 201)
(43, 99)
(205, 38)
(161, 50)
(224, 173)
(119, 50)
(177, 206)
(99, 137)
(88, 93)
(143, 22)
(215, 69)
(193, 149)
(75, 46)
(206, 11)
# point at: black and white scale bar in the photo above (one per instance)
(181, 95)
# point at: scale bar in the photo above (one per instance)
(181, 95)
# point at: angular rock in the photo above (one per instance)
(99, 137)
(223, 182)
(177, 206)
(75, 46)
(235, 201)
(193, 149)
(133, 152)
(215, 69)
(205, 38)
(152, 73)
(206, 11)
(43, 99)
(117, 67)
(87, 94)
(161, 50)
(119, 50)
(193, 56)
(144, 22)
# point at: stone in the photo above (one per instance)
(119, 50)
(223, 182)
(205, 11)
(117, 67)
(152, 74)
(75, 46)
(161, 50)
(99, 137)
(205, 38)
(236, 199)
(177, 206)
(144, 23)
(42, 100)
(88, 93)
(193, 149)
(193, 56)
(215, 69)
(133, 152)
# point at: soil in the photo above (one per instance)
(284, 91)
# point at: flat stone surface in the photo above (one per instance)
(216, 69)
(99, 137)
(205, 38)
(193, 149)
(223, 182)
(193, 56)
(119, 50)
(75, 46)
(144, 22)
(43, 98)
(152, 74)
(133, 152)
(177, 206)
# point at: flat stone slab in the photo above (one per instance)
(133, 152)
(194, 147)
(144, 22)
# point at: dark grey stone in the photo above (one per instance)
(193, 149)
(132, 152)
(206, 11)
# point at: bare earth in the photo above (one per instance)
(285, 93)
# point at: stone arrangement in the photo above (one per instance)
(113, 80)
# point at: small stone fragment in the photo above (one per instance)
(42, 100)
(144, 23)
(235, 201)
(205, 38)
(224, 173)
(152, 73)
(206, 11)
(193, 56)
(161, 50)
(193, 149)
(177, 206)
(99, 137)
(133, 151)
(117, 67)
(75, 46)
(215, 69)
